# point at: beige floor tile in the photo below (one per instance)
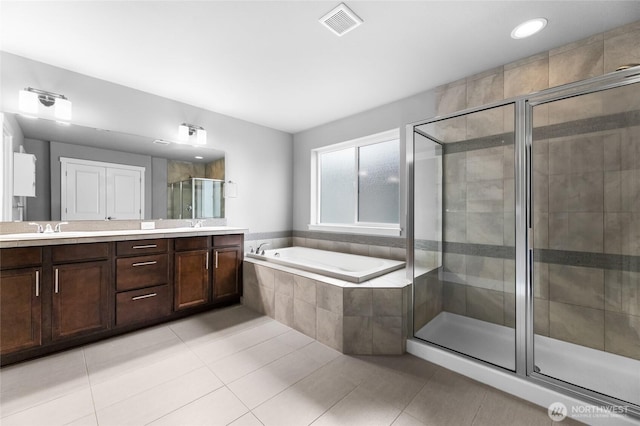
(395, 388)
(303, 402)
(220, 407)
(35, 382)
(499, 408)
(247, 420)
(257, 387)
(154, 403)
(447, 399)
(353, 369)
(295, 339)
(320, 353)
(89, 420)
(60, 411)
(216, 324)
(406, 420)
(133, 382)
(358, 408)
(220, 348)
(242, 363)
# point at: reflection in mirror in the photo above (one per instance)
(101, 152)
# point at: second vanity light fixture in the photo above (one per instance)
(185, 131)
(30, 99)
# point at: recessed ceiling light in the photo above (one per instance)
(199, 157)
(529, 28)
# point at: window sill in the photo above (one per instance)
(351, 229)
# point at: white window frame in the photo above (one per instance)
(383, 229)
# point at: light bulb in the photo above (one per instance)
(183, 133)
(28, 101)
(201, 137)
(63, 109)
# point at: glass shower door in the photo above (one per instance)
(464, 274)
(585, 213)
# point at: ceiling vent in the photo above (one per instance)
(341, 20)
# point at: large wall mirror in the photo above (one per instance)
(85, 173)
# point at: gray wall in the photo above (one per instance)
(395, 115)
(159, 195)
(39, 207)
(59, 149)
(258, 158)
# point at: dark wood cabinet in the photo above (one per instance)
(226, 273)
(192, 280)
(54, 297)
(142, 281)
(20, 309)
(79, 299)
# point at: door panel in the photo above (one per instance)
(83, 192)
(20, 307)
(124, 194)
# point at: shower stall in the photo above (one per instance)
(524, 238)
(195, 198)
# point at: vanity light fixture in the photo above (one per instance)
(30, 98)
(185, 131)
(529, 28)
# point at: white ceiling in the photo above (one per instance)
(274, 64)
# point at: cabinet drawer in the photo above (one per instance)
(139, 247)
(191, 243)
(142, 305)
(227, 240)
(13, 258)
(75, 252)
(141, 271)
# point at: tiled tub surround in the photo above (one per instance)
(366, 318)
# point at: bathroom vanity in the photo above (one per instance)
(67, 289)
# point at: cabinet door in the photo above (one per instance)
(20, 307)
(191, 279)
(80, 302)
(226, 282)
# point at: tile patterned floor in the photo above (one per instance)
(236, 367)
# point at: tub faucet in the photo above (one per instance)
(260, 246)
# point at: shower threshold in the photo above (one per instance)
(604, 372)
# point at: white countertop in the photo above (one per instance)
(79, 237)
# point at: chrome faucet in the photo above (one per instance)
(196, 223)
(58, 227)
(40, 229)
(260, 246)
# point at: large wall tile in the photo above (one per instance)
(266, 276)
(576, 231)
(613, 290)
(304, 289)
(579, 63)
(577, 285)
(388, 301)
(485, 228)
(576, 324)
(358, 335)
(485, 88)
(485, 164)
(387, 335)
(304, 317)
(284, 283)
(630, 289)
(358, 301)
(455, 227)
(485, 305)
(621, 50)
(485, 272)
(451, 97)
(329, 297)
(284, 309)
(622, 334)
(541, 316)
(455, 167)
(485, 196)
(329, 328)
(454, 298)
(510, 310)
(455, 196)
(585, 192)
(527, 78)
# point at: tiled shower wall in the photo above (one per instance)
(479, 204)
